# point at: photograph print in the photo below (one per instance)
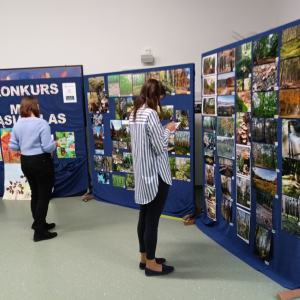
(115, 145)
(243, 60)
(182, 81)
(107, 164)
(226, 61)
(118, 161)
(126, 85)
(225, 147)
(226, 84)
(264, 210)
(209, 86)
(226, 210)
(103, 102)
(226, 105)
(210, 175)
(243, 95)
(118, 181)
(211, 210)
(167, 112)
(289, 103)
(120, 108)
(103, 177)
(99, 147)
(128, 162)
(226, 127)
(264, 180)
(243, 224)
(209, 156)
(226, 187)
(209, 65)
(226, 166)
(290, 177)
(291, 138)
(243, 161)
(262, 243)
(93, 104)
(210, 193)
(209, 124)
(264, 156)
(183, 168)
(209, 140)
(290, 73)
(116, 130)
(243, 192)
(113, 85)
(182, 142)
(264, 104)
(243, 128)
(265, 50)
(126, 131)
(130, 106)
(290, 215)
(123, 145)
(172, 164)
(97, 119)
(98, 132)
(209, 106)
(182, 116)
(138, 81)
(171, 143)
(96, 84)
(265, 77)
(167, 79)
(130, 183)
(290, 42)
(264, 130)
(152, 75)
(98, 162)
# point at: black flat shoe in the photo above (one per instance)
(166, 270)
(49, 226)
(43, 236)
(159, 261)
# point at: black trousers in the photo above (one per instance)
(149, 219)
(39, 171)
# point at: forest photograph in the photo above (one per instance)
(243, 192)
(126, 84)
(226, 187)
(183, 168)
(243, 95)
(209, 106)
(182, 142)
(209, 85)
(290, 215)
(128, 162)
(107, 164)
(291, 177)
(125, 131)
(182, 116)
(96, 84)
(264, 156)
(120, 108)
(289, 103)
(226, 61)
(103, 177)
(209, 124)
(264, 130)
(265, 50)
(99, 147)
(209, 140)
(225, 147)
(210, 193)
(130, 183)
(226, 167)
(209, 156)
(243, 128)
(168, 112)
(290, 73)
(113, 85)
(226, 210)
(209, 65)
(226, 84)
(152, 75)
(182, 81)
(130, 106)
(262, 243)
(225, 127)
(210, 175)
(264, 104)
(264, 210)
(265, 180)
(211, 210)
(97, 119)
(243, 160)
(93, 103)
(123, 145)
(172, 164)
(171, 143)
(291, 138)
(116, 129)
(119, 181)
(138, 81)
(243, 224)
(98, 162)
(118, 161)
(226, 106)
(290, 42)
(265, 77)
(243, 60)
(167, 79)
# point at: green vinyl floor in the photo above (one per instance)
(95, 256)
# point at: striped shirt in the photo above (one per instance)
(149, 141)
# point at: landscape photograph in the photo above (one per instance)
(209, 140)
(118, 161)
(291, 138)
(265, 180)
(226, 187)
(167, 79)
(226, 210)
(243, 95)
(225, 127)
(118, 181)
(290, 42)
(209, 65)
(125, 131)
(290, 73)
(226, 61)
(128, 162)
(243, 60)
(130, 183)
(97, 119)
(264, 210)
(226, 167)
(265, 77)
(210, 175)
(182, 81)
(138, 81)
(130, 106)
(225, 147)
(152, 75)
(211, 210)
(126, 85)
(209, 85)
(291, 177)
(99, 147)
(183, 168)
(107, 164)
(264, 104)
(116, 130)
(182, 142)
(243, 192)
(264, 156)
(210, 193)
(209, 124)
(243, 128)
(209, 106)
(226, 84)
(171, 143)
(96, 84)
(264, 130)
(113, 85)
(290, 215)
(243, 160)
(123, 145)
(167, 112)
(120, 108)
(209, 156)
(289, 103)
(265, 50)
(243, 224)
(226, 106)
(172, 167)
(103, 177)
(182, 116)
(98, 162)
(262, 243)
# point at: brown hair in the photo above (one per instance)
(150, 95)
(29, 105)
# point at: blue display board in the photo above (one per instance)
(181, 195)
(71, 174)
(251, 204)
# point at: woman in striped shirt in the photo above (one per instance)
(149, 140)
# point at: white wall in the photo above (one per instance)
(108, 36)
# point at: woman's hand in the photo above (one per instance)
(171, 126)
